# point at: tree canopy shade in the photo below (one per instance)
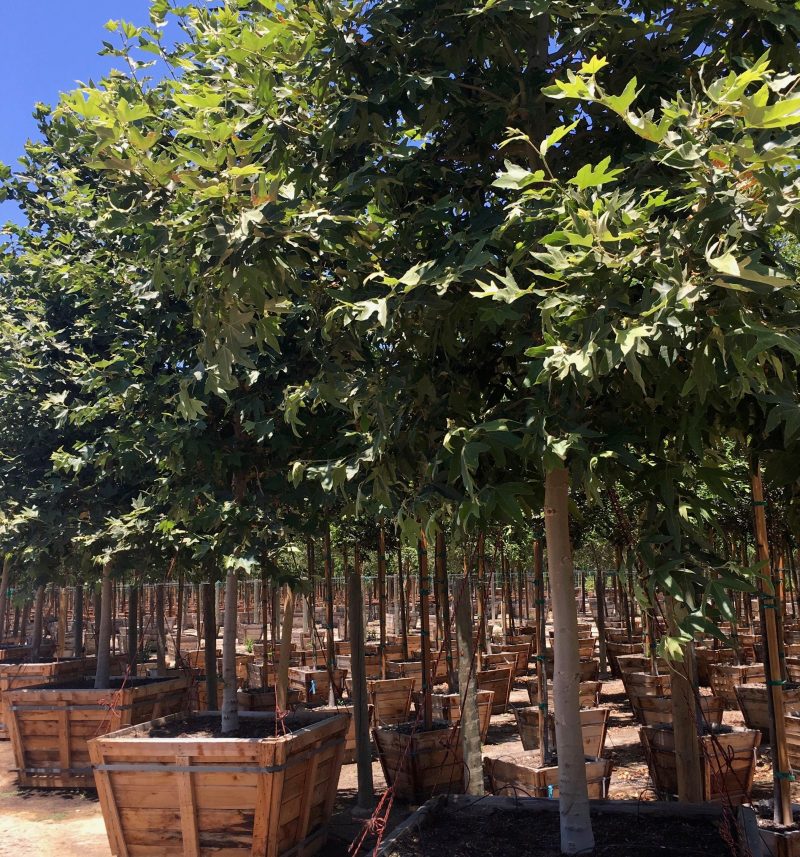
(423, 262)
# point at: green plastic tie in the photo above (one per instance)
(758, 502)
(542, 706)
(785, 775)
(776, 683)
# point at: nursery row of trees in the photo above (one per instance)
(419, 266)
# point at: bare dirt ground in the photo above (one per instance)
(69, 824)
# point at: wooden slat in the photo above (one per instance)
(191, 837)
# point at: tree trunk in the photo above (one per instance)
(541, 644)
(382, 599)
(425, 634)
(444, 602)
(4, 580)
(210, 645)
(403, 612)
(77, 621)
(366, 791)
(282, 691)
(329, 644)
(470, 735)
(133, 629)
(38, 617)
(179, 618)
(230, 705)
(482, 647)
(600, 595)
(103, 675)
(63, 610)
(576, 825)
(161, 632)
(773, 656)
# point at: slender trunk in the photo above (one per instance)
(63, 610)
(403, 613)
(282, 691)
(210, 645)
(230, 705)
(345, 572)
(600, 595)
(264, 613)
(382, 599)
(773, 656)
(38, 617)
(97, 607)
(482, 647)
(4, 580)
(133, 625)
(103, 675)
(541, 644)
(576, 825)
(470, 735)
(685, 718)
(179, 618)
(329, 645)
(161, 632)
(366, 789)
(77, 621)
(425, 634)
(444, 601)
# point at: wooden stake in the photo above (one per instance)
(425, 633)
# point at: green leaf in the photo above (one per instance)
(589, 176)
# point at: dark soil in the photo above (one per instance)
(262, 726)
(516, 833)
(763, 810)
(416, 726)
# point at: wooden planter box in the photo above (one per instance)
(264, 699)
(792, 720)
(50, 726)
(588, 693)
(524, 776)
(413, 669)
(447, 707)
(638, 685)
(657, 710)
(498, 680)
(390, 700)
(521, 650)
(261, 674)
(315, 684)
(728, 761)
(706, 658)
(780, 843)
(752, 700)
(371, 662)
(420, 764)
(16, 653)
(17, 675)
(201, 796)
(500, 659)
(615, 650)
(594, 728)
(725, 677)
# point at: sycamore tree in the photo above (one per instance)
(475, 320)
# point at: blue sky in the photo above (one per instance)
(46, 47)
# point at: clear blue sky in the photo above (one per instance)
(46, 47)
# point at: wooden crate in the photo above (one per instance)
(499, 659)
(50, 726)
(16, 653)
(615, 650)
(18, 675)
(728, 761)
(707, 657)
(522, 775)
(447, 706)
(657, 710)
(639, 684)
(227, 797)
(413, 669)
(521, 650)
(752, 700)
(420, 764)
(260, 674)
(594, 728)
(372, 664)
(725, 677)
(315, 684)
(264, 699)
(588, 693)
(792, 721)
(498, 680)
(390, 700)
(588, 669)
